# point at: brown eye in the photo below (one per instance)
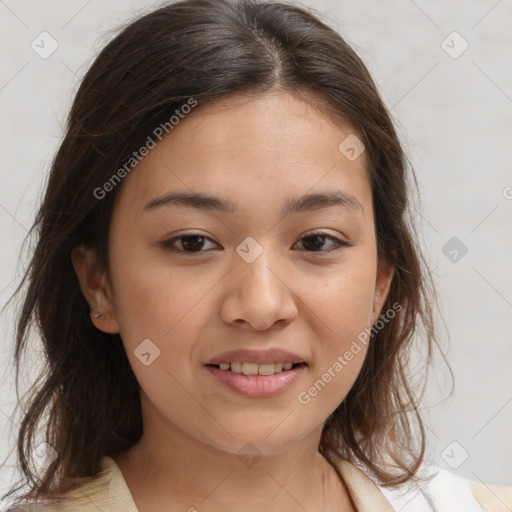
(316, 241)
(189, 243)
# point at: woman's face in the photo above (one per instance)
(265, 275)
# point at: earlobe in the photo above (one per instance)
(385, 274)
(95, 288)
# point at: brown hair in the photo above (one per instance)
(207, 50)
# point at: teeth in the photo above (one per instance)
(250, 368)
(236, 367)
(256, 369)
(266, 369)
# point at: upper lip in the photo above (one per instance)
(273, 355)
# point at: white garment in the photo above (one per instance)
(448, 491)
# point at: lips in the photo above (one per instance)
(257, 386)
(257, 373)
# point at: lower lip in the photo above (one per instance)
(257, 386)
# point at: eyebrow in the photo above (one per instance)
(306, 203)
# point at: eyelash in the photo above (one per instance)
(168, 244)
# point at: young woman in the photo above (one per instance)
(226, 280)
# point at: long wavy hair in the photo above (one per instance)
(86, 403)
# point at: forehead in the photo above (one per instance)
(249, 147)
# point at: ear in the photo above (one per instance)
(95, 288)
(385, 272)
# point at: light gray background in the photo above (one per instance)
(454, 116)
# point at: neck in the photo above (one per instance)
(180, 470)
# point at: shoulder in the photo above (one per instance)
(70, 504)
(433, 489)
(449, 493)
(95, 494)
(495, 498)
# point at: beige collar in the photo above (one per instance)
(364, 493)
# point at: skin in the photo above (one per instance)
(313, 300)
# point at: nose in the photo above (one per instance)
(259, 294)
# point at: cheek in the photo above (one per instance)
(343, 298)
(343, 302)
(154, 299)
(162, 311)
